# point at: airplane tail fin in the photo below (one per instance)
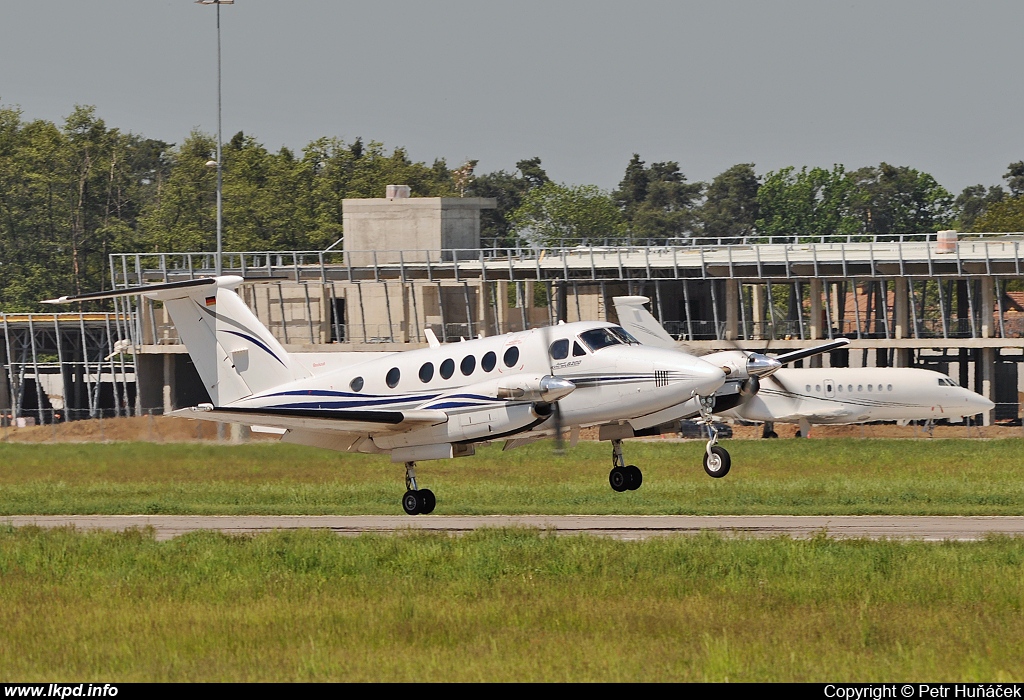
(638, 320)
(236, 355)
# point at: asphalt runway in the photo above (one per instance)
(625, 527)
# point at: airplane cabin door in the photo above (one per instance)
(830, 389)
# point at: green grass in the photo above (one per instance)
(843, 476)
(505, 605)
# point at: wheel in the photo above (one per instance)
(636, 477)
(428, 501)
(619, 479)
(717, 463)
(412, 502)
(772, 435)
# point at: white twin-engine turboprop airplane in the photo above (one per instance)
(817, 396)
(439, 402)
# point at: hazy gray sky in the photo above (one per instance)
(582, 84)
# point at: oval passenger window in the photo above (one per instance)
(447, 368)
(426, 372)
(488, 361)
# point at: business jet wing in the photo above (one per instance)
(361, 422)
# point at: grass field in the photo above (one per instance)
(840, 476)
(506, 605)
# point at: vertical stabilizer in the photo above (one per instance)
(234, 354)
(638, 320)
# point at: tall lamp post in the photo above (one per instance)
(218, 262)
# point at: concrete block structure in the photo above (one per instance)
(397, 229)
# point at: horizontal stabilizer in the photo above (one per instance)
(318, 419)
(811, 352)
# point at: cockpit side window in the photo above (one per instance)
(623, 335)
(577, 351)
(560, 349)
(599, 338)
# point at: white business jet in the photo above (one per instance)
(816, 396)
(436, 402)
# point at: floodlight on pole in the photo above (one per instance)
(218, 262)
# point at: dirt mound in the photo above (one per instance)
(141, 429)
(165, 429)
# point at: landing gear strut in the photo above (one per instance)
(716, 458)
(622, 477)
(416, 501)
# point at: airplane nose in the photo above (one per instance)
(979, 402)
(710, 377)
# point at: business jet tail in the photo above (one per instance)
(235, 355)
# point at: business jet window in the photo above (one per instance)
(623, 335)
(888, 387)
(860, 387)
(356, 384)
(808, 387)
(426, 372)
(468, 365)
(603, 337)
(869, 387)
(511, 356)
(839, 387)
(393, 376)
(849, 387)
(488, 361)
(447, 368)
(817, 387)
(559, 349)
(577, 351)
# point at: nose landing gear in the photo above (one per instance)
(623, 477)
(716, 458)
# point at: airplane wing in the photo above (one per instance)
(362, 422)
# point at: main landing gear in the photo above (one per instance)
(622, 477)
(716, 458)
(416, 501)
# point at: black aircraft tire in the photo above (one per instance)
(719, 463)
(619, 479)
(636, 477)
(429, 501)
(412, 503)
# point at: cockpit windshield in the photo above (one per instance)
(603, 337)
(946, 381)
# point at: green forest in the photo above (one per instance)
(72, 193)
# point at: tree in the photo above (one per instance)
(1015, 178)
(1006, 216)
(508, 190)
(731, 208)
(897, 199)
(657, 202)
(973, 202)
(556, 215)
(806, 203)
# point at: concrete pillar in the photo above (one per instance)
(485, 319)
(169, 382)
(758, 303)
(988, 375)
(816, 311)
(988, 307)
(503, 307)
(901, 308)
(239, 433)
(732, 309)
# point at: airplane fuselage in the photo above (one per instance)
(854, 395)
(483, 385)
